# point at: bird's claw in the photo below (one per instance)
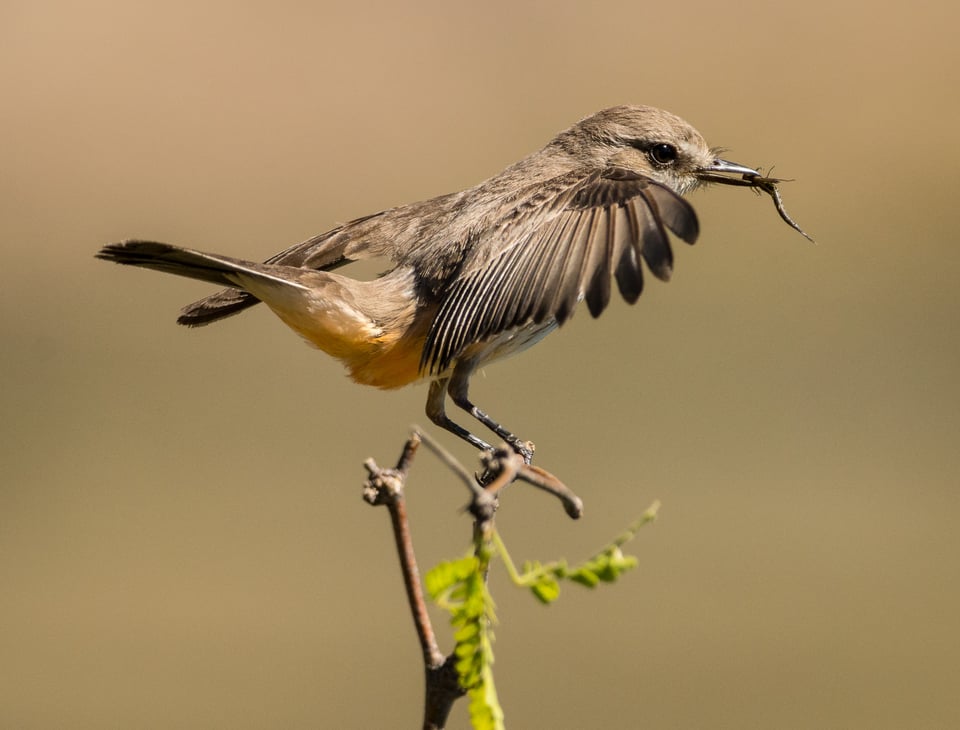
(524, 448)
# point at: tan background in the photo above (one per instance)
(182, 541)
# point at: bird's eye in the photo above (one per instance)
(663, 153)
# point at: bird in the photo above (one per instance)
(479, 274)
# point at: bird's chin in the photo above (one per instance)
(692, 185)
(687, 184)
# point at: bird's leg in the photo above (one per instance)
(458, 389)
(437, 413)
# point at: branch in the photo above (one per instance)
(385, 486)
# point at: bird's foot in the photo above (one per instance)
(523, 448)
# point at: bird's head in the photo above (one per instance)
(650, 142)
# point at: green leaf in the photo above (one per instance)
(605, 566)
(546, 589)
(466, 633)
(585, 577)
(460, 588)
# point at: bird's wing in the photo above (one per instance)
(551, 256)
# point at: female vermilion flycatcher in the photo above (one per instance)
(482, 273)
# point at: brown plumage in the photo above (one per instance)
(482, 273)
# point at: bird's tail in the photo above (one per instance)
(212, 268)
(181, 261)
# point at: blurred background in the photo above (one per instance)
(182, 538)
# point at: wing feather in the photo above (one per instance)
(629, 273)
(561, 280)
(551, 256)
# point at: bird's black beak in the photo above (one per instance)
(726, 172)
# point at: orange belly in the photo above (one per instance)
(374, 353)
(387, 361)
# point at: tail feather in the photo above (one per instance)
(224, 303)
(212, 268)
(175, 260)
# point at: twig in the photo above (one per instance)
(449, 461)
(386, 487)
(542, 479)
